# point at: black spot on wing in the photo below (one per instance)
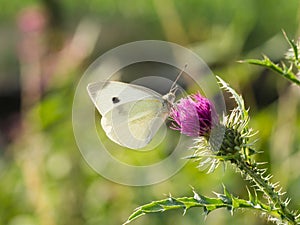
(115, 100)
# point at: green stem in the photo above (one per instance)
(267, 188)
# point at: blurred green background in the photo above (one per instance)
(47, 45)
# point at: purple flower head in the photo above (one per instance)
(193, 116)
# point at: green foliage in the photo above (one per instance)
(238, 99)
(209, 204)
(284, 70)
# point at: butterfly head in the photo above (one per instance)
(170, 97)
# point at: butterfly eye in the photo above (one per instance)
(115, 100)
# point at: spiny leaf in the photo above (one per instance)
(266, 62)
(292, 44)
(225, 200)
(238, 98)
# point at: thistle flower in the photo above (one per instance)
(193, 116)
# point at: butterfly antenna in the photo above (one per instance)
(177, 78)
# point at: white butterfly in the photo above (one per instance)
(131, 114)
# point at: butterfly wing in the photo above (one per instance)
(134, 124)
(131, 114)
(107, 95)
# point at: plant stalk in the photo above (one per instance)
(267, 188)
